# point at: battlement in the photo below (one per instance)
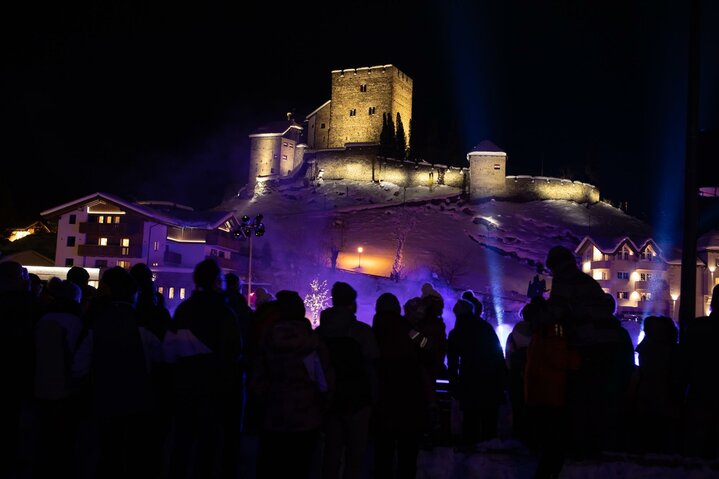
(363, 72)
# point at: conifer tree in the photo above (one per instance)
(384, 137)
(411, 148)
(401, 140)
(391, 139)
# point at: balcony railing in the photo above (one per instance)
(224, 240)
(171, 257)
(129, 228)
(109, 251)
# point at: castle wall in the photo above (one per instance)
(529, 188)
(264, 156)
(318, 127)
(361, 164)
(488, 174)
(367, 93)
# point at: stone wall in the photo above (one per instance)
(360, 163)
(528, 188)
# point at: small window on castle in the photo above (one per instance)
(363, 88)
(496, 166)
(322, 126)
(284, 144)
(284, 157)
(353, 112)
(372, 110)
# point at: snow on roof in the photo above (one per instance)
(487, 146)
(157, 211)
(276, 128)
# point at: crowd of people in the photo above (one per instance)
(176, 395)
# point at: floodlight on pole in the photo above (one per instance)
(249, 228)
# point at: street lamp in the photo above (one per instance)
(674, 296)
(712, 268)
(249, 228)
(359, 256)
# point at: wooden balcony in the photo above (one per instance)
(109, 251)
(224, 240)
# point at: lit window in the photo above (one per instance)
(125, 242)
(102, 241)
(645, 276)
(123, 264)
(70, 241)
(171, 293)
(155, 245)
(117, 219)
(160, 289)
(100, 219)
(182, 293)
(73, 219)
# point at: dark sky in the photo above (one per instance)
(156, 101)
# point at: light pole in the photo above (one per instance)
(674, 305)
(359, 256)
(248, 229)
(712, 268)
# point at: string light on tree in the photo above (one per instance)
(317, 300)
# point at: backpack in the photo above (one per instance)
(546, 372)
(352, 382)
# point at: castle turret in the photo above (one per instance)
(273, 151)
(487, 171)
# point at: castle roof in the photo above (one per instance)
(276, 128)
(487, 146)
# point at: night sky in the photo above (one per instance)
(156, 102)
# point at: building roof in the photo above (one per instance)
(157, 211)
(318, 109)
(28, 258)
(276, 128)
(486, 146)
(610, 245)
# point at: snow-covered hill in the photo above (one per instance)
(493, 248)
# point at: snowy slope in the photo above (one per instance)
(493, 248)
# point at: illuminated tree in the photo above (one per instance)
(317, 300)
(385, 137)
(391, 139)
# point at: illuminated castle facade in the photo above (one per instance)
(340, 140)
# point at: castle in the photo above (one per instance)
(340, 140)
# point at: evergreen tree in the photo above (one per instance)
(384, 137)
(401, 140)
(412, 153)
(391, 139)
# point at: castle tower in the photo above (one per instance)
(360, 96)
(487, 170)
(275, 151)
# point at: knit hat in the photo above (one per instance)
(262, 296)
(463, 308)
